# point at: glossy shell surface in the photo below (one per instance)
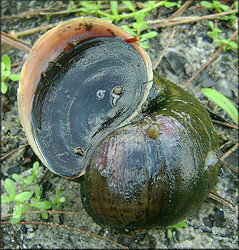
(143, 149)
(61, 60)
(135, 181)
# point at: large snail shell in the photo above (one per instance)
(154, 177)
(92, 107)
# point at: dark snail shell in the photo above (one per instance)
(92, 108)
(157, 181)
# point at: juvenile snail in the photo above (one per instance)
(93, 110)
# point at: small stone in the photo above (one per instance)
(220, 231)
(227, 88)
(176, 61)
(206, 80)
(208, 221)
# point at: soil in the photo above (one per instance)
(214, 225)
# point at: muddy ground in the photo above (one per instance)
(214, 225)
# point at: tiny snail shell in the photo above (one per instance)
(154, 130)
(143, 149)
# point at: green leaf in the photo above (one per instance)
(9, 186)
(224, 7)
(6, 74)
(169, 233)
(7, 62)
(125, 27)
(3, 67)
(44, 216)
(29, 180)
(38, 192)
(6, 199)
(144, 44)
(35, 166)
(16, 177)
(58, 192)
(206, 4)
(62, 199)
(234, 45)
(41, 205)
(4, 88)
(149, 4)
(139, 17)
(17, 214)
(211, 24)
(148, 35)
(14, 77)
(15, 220)
(23, 196)
(114, 7)
(55, 200)
(129, 5)
(180, 224)
(169, 5)
(223, 102)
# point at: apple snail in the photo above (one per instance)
(143, 150)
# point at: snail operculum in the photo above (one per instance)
(95, 91)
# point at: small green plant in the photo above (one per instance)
(215, 5)
(137, 29)
(214, 34)
(72, 6)
(178, 225)
(6, 73)
(223, 102)
(219, 7)
(94, 8)
(88, 8)
(25, 200)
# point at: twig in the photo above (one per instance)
(203, 66)
(165, 49)
(14, 42)
(230, 166)
(17, 63)
(60, 12)
(44, 176)
(225, 144)
(66, 227)
(208, 61)
(219, 198)
(225, 124)
(177, 13)
(234, 68)
(23, 146)
(42, 28)
(31, 13)
(230, 151)
(182, 20)
(175, 21)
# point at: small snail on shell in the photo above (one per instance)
(143, 149)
